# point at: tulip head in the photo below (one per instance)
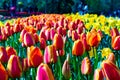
(98, 75)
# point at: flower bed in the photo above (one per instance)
(60, 47)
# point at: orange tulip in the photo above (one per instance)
(83, 38)
(58, 42)
(110, 71)
(50, 55)
(98, 75)
(3, 73)
(115, 43)
(10, 51)
(78, 48)
(35, 57)
(3, 55)
(86, 67)
(44, 72)
(114, 32)
(28, 39)
(93, 38)
(14, 67)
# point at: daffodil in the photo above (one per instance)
(105, 52)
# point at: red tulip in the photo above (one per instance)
(98, 75)
(52, 33)
(69, 33)
(14, 67)
(74, 35)
(44, 72)
(64, 31)
(110, 71)
(42, 35)
(10, 51)
(115, 43)
(35, 57)
(50, 55)
(3, 55)
(28, 39)
(24, 64)
(86, 67)
(78, 48)
(3, 73)
(47, 33)
(36, 37)
(58, 42)
(42, 43)
(114, 32)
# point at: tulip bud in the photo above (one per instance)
(35, 57)
(14, 67)
(44, 72)
(28, 39)
(10, 51)
(3, 55)
(86, 67)
(61, 52)
(66, 68)
(58, 41)
(50, 55)
(3, 73)
(98, 75)
(111, 57)
(78, 48)
(110, 71)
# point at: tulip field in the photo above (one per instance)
(60, 47)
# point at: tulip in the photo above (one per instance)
(114, 32)
(111, 57)
(66, 68)
(14, 67)
(22, 35)
(3, 55)
(64, 31)
(115, 43)
(44, 72)
(83, 38)
(24, 64)
(42, 35)
(52, 33)
(110, 71)
(10, 51)
(42, 43)
(3, 73)
(93, 38)
(47, 33)
(58, 42)
(61, 52)
(59, 30)
(36, 37)
(69, 33)
(50, 55)
(28, 39)
(35, 57)
(98, 75)
(17, 27)
(86, 67)
(78, 48)
(74, 35)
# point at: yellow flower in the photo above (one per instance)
(106, 52)
(92, 52)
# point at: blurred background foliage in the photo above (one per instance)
(64, 6)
